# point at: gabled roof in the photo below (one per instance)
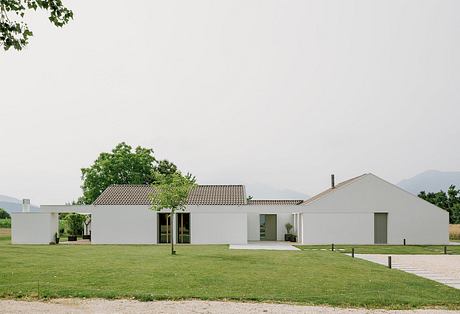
(330, 190)
(274, 202)
(134, 194)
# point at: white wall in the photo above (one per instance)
(33, 228)
(218, 228)
(281, 221)
(339, 228)
(123, 225)
(346, 215)
(253, 227)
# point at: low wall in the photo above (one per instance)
(33, 228)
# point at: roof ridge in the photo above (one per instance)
(139, 194)
(332, 189)
(140, 184)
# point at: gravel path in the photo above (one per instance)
(166, 307)
(441, 268)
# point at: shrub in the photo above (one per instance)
(74, 224)
(288, 228)
(4, 214)
(5, 223)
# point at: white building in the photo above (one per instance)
(362, 210)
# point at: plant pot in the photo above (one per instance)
(287, 237)
(72, 238)
(293, 238)
(86, 237)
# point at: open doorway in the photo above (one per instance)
(73, 228)
(268, 223)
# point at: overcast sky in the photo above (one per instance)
(282, 93)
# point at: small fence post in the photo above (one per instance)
(389, 261)
(353, 252)
(445, 249)
(332, 247)
(404, 241)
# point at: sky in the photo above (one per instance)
(258, 92)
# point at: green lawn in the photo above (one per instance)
(386, 249)
(211, 272)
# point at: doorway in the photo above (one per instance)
(164, 228)
(268, 227)
(380, 228)
(183, 228)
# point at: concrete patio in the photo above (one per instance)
(265, 245)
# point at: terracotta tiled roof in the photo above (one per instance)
(337, 186)
(133, 194)
(274, 202)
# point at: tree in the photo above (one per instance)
(74, 224)
(171, 192)
(123, 166)
(449, 201)
(14, 32)
(4, 214)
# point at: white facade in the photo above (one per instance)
(344, 215)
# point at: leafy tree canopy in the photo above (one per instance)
(14, 32)
(449, 201)
(171, 192)
(124, 166)
(74, 224)
(4, 214)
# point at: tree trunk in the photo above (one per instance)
(172, 233)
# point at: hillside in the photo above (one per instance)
(431, 181)
(11, 204)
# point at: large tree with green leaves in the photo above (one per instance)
(14, 31)
(4, 214)
(171, 193)
(123, 165)
(449, 201)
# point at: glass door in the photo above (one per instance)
(183, 228)
(164, 228)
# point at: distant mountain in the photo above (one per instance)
(431, 181)
(263, 191)
(11, 204)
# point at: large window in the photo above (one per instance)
(164, 228)
(183, 228)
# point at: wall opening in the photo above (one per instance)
(268, 227)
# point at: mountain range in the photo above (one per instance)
(431, 181)
(428, 181)
(11, 204)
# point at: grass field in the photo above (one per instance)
(386, 249)
(211, 273)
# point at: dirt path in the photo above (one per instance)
(166, 307)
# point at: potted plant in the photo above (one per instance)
(56, 238)
(288, 235)
(74, 226)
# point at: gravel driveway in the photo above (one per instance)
(166, 307)
(441, 268)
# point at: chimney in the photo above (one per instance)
(332, 181)
(26, 205)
